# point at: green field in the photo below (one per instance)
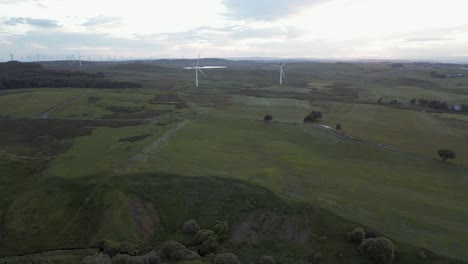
(134, 164)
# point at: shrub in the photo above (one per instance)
(379, 250)
(317, 258)
(313, 116)
(447, 154)
(338, 126)
(97, 259)
(208, 246)
(173, 250)
(202, 235)
(268, 118)
(128, 248)
(357, 235)
(370, 234)
(109, 247)
(267, 260)
(422, 255)
(221, 229)
(191, 226)
(226, 258)
(150, 258)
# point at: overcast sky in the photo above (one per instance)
(329, 29)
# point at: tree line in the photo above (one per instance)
(16, 75)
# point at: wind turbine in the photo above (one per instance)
(11, 56)
(282, 75)
(198, 68)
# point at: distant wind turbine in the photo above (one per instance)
(199, 68)
(282, 75)
(12, 56)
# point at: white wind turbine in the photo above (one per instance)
(282, 75)
(198, 68)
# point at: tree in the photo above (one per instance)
(380, 100)
(175, 251)
(379, 250)
(221, 229)
(206, 242)
(267, 260)
(268, 118)
(422, 102)
(338, 126)
(357, 235)
(313, 116)
(97, 259)
(413, 101)
(226, 258)
(191, 226)
(447, 154)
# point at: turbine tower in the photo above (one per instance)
(11, 56)
(282, 75)
(199, 68)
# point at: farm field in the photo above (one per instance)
(136, 163)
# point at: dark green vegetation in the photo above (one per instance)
(196, 173)
(14, 75)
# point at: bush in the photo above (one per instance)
(338, 126)
(226, 258)
(379, 250)
(150, 258)
(208, 246)
(109, 247)
(317, 258)
(357, 235)
(26, 260)
(267, 260)
(268, 118)
(97, 259)
(173, 250)
(447, 154)
(202, 235)
(191, 226)
(221, 229)
(313, 116)
(422, 255)
(128, 248)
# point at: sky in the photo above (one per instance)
(321, 29)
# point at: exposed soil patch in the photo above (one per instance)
(135, 138)
(245, 232)
(296, 229)
(144, 218)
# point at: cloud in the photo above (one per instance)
(101, 21)
(48, 23)
(266, 9)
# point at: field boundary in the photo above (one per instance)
(46, 114)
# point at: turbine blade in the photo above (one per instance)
(212, 67)
(284, 75)
(202, 72)
(276, 66)
(189, 68)
(284, 63)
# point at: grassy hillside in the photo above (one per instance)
(134, 164)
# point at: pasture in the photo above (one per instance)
(78, 174)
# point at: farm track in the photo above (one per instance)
(46, 114)
(381, 146)
(24, 157)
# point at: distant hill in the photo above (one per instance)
(17, 75)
